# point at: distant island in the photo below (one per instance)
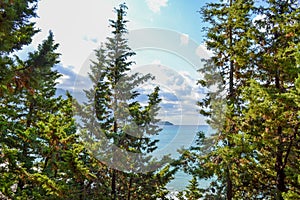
(165, 123)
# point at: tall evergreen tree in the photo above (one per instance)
(271, 105)
(229, 38)
(117, 127)
(192, 191)
(16, 31)
(40, 153)
(257, 144)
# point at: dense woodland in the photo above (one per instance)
(254, 153)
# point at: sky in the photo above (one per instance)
(166, 35)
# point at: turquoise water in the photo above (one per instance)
(174, 137)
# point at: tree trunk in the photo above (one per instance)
(229, 192)
(129, 188)
(113, 179)
(279, 167)
(113, 185)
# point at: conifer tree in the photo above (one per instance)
(228, 37)
(16, 31)
(117, 127)
(271, 121)
(41, 156)
(192, 191)
(258, 140)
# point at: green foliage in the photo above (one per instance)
(192, 191)
(15, 31)
(229, 38)
(40, 153)
(255, 153)
(116, 128)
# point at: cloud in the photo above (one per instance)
(72, 81)
(184, 39)
(63, 78)
(156, 62)
(257, 20)
(203, 52)
(78, 29)
(155, 5)
(90, 39)
(179, 93)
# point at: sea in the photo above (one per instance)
(175, 137)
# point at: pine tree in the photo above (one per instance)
(117, 127)
(41, 153)
(16, 31)
(192, 191)
(272, 105)
(258, 142)
(229, 38)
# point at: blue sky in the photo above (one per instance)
(173, 55)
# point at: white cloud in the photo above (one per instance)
(258, 18)
(155, 5)
(184, 39)
(156, 62)
(179, 93)
(63, 79)
(256, 21)
(187, 77)
(203, 52)
(78, 29)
